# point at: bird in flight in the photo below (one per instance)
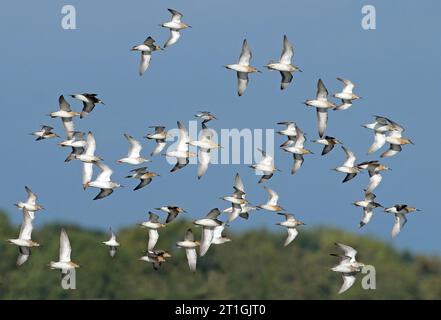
(243, 68)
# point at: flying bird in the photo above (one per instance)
(206, 116)
(348, 166)
(322, 105)
(112, 243)
(64, 111)
(368, 205)
(272, 203)
(66, 114)
(64, 262)
(291, 225)
(153, 225)
(328, 142)
(349, 267)
(45, 133)
(172, 212)
(400, 211)
(89, 101)
(205, 144)
(243, 68)
(181, 153)
(175, 25)
(238, 207)
(296, 147)
(374, 169)
(24, 241)
(218, 236)
(208, 224)
(76, 140)
(143, 175)
(190, 245)
(284, 65)
(146, 49)
(155, 257)
(77, 143)
(31, 204)
(395, 140)
(237, 200)
(266, 165)
(103, 182)
(290, 132)
(134, 154)
(160, 135)
(89, 152)
(346, 95)
(381, 126)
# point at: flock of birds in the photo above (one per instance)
(83, 149)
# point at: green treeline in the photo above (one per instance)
(255, 265)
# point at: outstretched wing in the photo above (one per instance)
(145, 61)
(135, 147)
(192, 258)
(348, 281)
(105, 174)
(349, 251)
(242, 82)
(400, 221)
(173, 38)
(206, 239)
(65, 248)
(176, 15)
(245, 55)
(292, 234)
(287, 52)
(153, 238)
(32, 197)
(322, 92)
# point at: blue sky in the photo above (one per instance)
(396, 69)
